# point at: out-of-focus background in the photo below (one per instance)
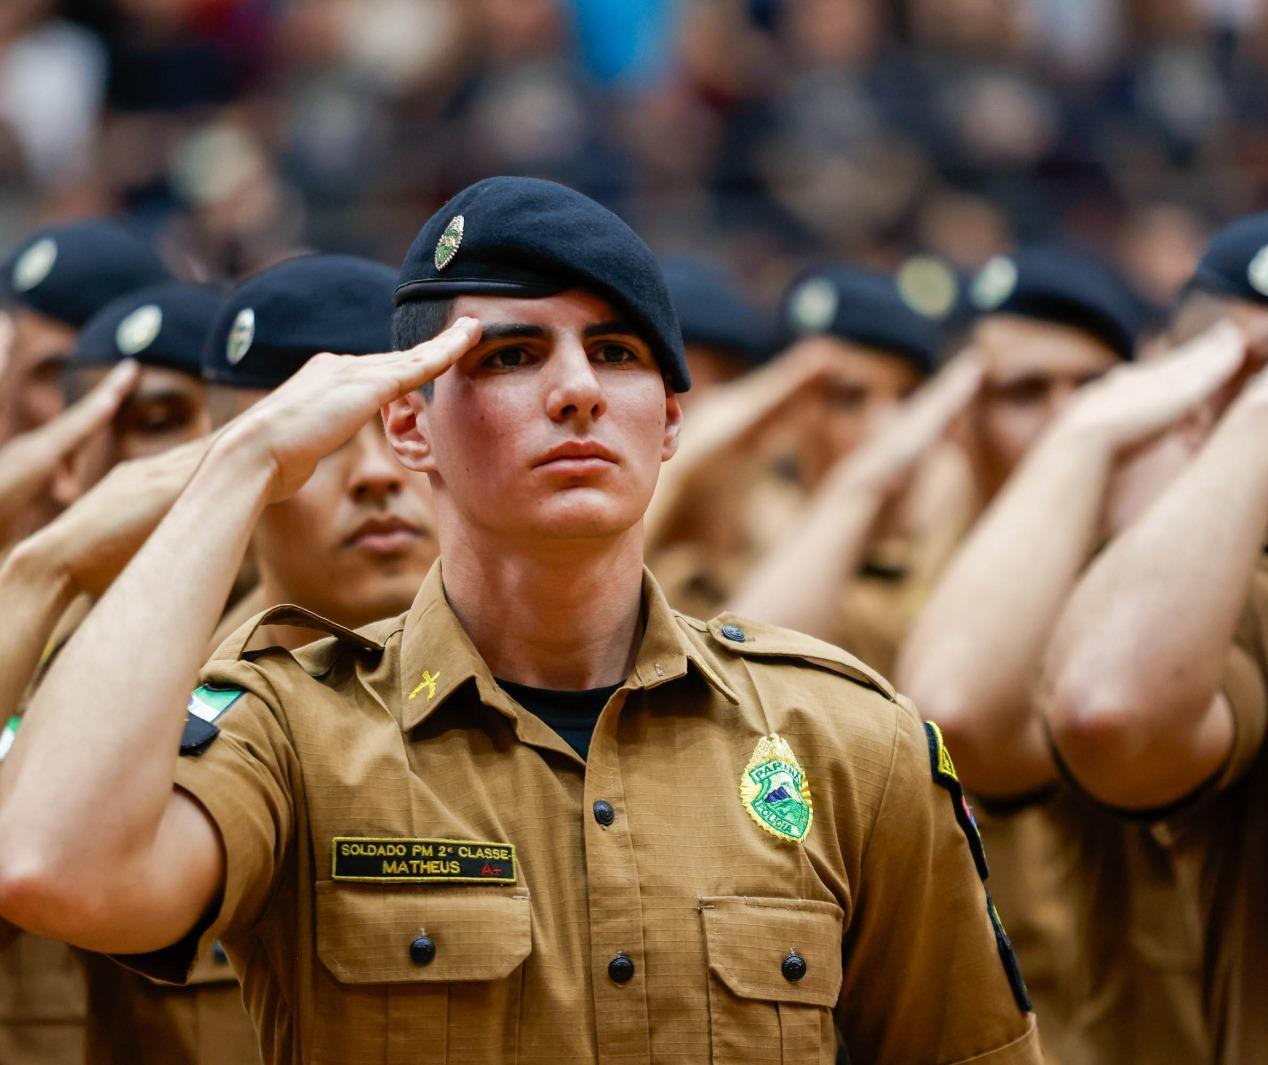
(760, 132)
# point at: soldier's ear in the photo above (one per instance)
(405, 425)
(673, 425)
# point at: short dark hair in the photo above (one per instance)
(420, 320)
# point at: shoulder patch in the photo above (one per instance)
(755, 640)
(206, 706)
(944, 775)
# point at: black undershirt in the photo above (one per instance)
(570, 713)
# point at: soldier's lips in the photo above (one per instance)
(576, 458)
(384, 536)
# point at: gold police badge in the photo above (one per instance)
(775, 792)
(449, 242)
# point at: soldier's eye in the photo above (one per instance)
(507, 358)
(615, 353)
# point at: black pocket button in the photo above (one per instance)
(422, 950)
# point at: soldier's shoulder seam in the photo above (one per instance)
(753, 639)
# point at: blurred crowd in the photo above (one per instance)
(760, 131)
(974, 295)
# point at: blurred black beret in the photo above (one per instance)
(278, 319)
(714, 312)
(862, 307)
(1235, 262)
(70, 272)
(1058, 285)
(162, 325)
(523, 237)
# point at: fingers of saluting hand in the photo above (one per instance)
(70, 429)
(424, 362)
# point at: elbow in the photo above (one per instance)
(1096, 730)
(39, 894)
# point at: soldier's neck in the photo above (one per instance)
(566, 616)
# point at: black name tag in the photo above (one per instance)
(423, 861)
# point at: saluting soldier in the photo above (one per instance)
(1158, 673)
(540, 816)
(50, 286)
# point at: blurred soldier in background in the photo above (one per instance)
(1110, 941)
(1156, 678)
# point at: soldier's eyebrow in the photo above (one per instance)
(615, 327)
(512, 330)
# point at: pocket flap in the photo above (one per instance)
(748, 940)
(364, 933)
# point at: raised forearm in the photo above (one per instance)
(1140, 650)
(799, 584)
(973, 655)
(103, 729)
(34, 593)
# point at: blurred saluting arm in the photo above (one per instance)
(97, 846)
(974, 655)
(799, 583)
(1131, 681)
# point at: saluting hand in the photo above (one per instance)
(1132, 404)
(29, 462)
(93, 540)
(323, 406)
(883, 461)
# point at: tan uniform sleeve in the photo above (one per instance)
(243, 780)
(1243, 689)
(927, 969)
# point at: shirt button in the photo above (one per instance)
(734, 633)
(422, 950)
(603, 812)
(621, 969)
(794, 968)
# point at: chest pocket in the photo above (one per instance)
(774, 978)
(421, 974)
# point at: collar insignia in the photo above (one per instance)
(449, 242)
(775, 792)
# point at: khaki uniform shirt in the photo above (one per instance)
(419, 870)
(1223, 842)
(1106, 932)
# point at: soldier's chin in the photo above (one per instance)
(586, 513)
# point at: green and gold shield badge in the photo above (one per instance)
(450, 241)
(775, 792)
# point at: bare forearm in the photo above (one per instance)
(799, 584)
(33, 596)
(974, 654)
(1140, 650)
(103, 733)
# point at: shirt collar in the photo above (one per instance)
(437, 656)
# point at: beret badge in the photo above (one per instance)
(1257, 271)
(240, 336)
(813, 305)
(450, 241)
(994, 284)
(139, 329)
(35, 264)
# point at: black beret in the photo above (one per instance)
(523, 237)
(162, 325)
(861, 307)
(1235, 263)
(714, 312)
(70, 272)
(278, 319)
(1058, 285)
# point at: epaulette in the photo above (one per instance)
(753, 639)
(217, 694)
